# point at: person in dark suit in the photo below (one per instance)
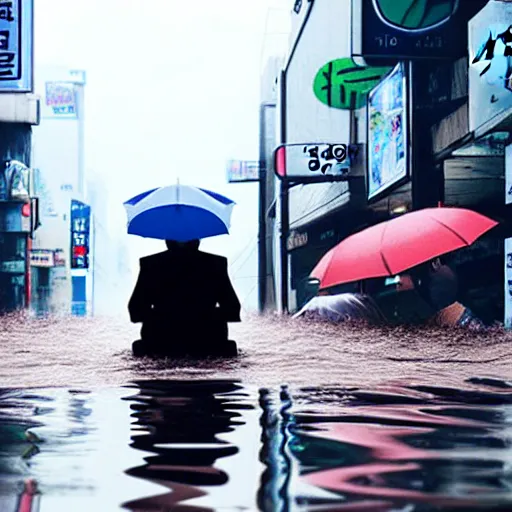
(184, 299)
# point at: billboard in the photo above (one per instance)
(388, 137)
(411, 29)
(241, 171)
(490, 60)
(60, 100)
(16, 46)
(80, 231)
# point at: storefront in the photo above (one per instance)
(44, 264)
(309, 243)
(471, 146)
(14, 243)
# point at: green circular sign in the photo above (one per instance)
(343, 84)
(416, 14)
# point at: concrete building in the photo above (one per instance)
(63, 282)
(453, 150)
(19, 111)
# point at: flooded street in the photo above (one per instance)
(311, 416)
(95, 352)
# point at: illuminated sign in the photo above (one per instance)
(80, 229)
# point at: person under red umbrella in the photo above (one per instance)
(437, 284)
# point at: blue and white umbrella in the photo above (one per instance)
(179, 212)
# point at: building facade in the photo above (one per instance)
(19, 112)
(62, 282)
(425, 74)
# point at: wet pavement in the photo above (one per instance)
(310, 417)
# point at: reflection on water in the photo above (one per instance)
(178, 423)
(220, 444)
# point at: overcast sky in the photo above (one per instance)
(172, 92)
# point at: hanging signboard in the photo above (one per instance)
(60, 100)
(241, 171)
(409, 29)
(490, 60)
(307, 160)
(80, 229)
(16, 46)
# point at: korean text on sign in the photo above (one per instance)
(10, 47)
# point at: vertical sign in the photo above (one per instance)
(16, 45)
(508, 283)
(80, 227)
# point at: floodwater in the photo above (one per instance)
(310, 417)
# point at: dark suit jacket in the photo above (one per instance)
(176, 288)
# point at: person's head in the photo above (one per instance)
(174, 245)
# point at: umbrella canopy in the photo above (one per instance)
(391, 247)
(178, 212)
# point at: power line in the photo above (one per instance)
(246, 259)
(241, 252)
(249, 294)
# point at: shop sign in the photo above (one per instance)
(296, 240)
(13, 267)
(296, 161)
(490, 58)
(409, 29)
(16, 45)
(42, 258)
(240, 171)
(343, 84)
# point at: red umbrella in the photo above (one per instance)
(391, 247)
